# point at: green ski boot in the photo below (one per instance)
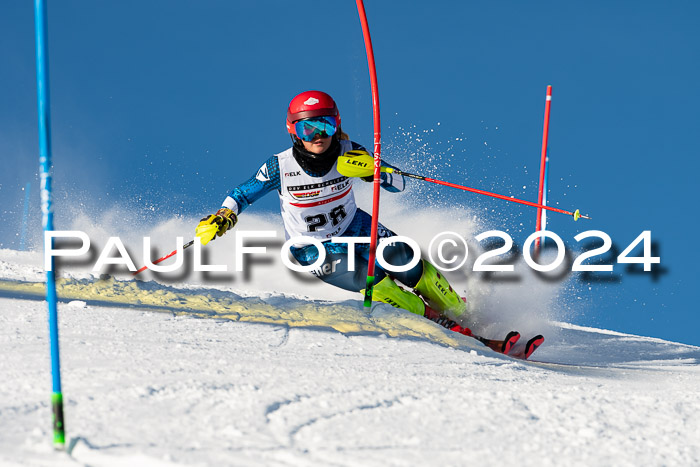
(387, 291)
(435, 289)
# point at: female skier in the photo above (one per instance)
(317, 201)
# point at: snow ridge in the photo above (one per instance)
(170, 375)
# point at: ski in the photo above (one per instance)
(502, 346)
(505, 346)
(533, 344)
(447, 323)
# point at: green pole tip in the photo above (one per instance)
(59, 434)
(59, 441)
(368, 291)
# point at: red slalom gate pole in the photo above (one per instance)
(377, 153)
(543, 165)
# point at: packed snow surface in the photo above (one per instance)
(182, 374)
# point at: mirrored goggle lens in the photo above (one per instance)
(307, 130)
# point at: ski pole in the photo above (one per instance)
(358, 164)
(186, 245)
(576, 214)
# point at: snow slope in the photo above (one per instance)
(185, 374)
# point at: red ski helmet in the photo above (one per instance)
(311, 104)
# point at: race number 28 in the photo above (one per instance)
(313, 223)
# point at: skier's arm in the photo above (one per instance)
(266, 180)
(390, 182)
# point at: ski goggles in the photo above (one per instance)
(310, 128)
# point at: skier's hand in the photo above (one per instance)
(215, 225)
(357, 163)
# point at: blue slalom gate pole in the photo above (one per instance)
(25, 213)
(42, 82)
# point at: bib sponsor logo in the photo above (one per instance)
(313, 186)
(308, 194)
(334, 233)
(292, 174)
(341, 186)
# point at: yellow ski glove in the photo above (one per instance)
(360, 164)
(356, 163)
(215, 225)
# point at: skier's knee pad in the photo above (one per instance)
(435, 288)
(387, 291)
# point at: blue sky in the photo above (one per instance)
(168, 104)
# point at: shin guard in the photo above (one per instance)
(439, 294)
(387, 291)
